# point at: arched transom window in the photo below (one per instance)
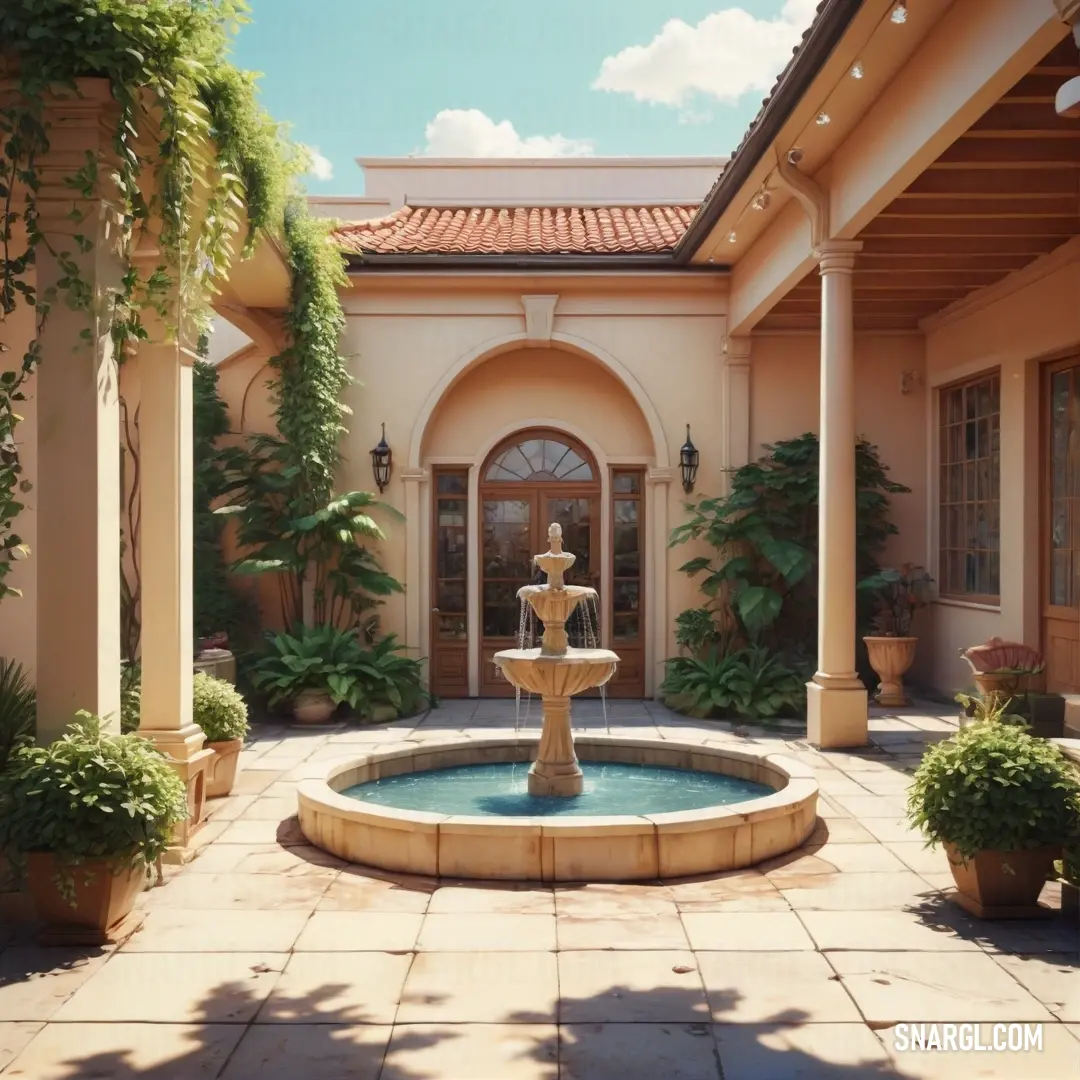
(537, 459)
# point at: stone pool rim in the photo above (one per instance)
(677, 843)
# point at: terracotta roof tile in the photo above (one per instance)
(519, 230)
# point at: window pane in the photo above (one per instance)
(627, 483)
(452, 483)
(538, 460)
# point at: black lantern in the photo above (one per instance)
(381, 457)
(688, 460)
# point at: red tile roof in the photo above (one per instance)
(519, 230)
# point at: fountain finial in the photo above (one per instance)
(555, 538)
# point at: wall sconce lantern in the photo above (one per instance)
(381, 458)
(688, 460)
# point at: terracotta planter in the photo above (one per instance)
(102, 899)
(1010, 684)
(313, 707)
(1002, 884)
(221, 775)
(890, 658)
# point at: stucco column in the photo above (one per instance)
(736, 383)
(165, 551)
(77, 497)
(657, 493)
(837, 700)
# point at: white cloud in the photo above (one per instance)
(472, 133)
(728, 54)
(320, 166)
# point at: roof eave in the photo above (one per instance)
(361, 263)
(824, 35)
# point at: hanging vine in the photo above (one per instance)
(192, 152)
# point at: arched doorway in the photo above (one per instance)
(529, 481)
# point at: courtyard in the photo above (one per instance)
(265, 957)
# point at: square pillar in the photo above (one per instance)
(836, 698)
(77, 497)
(165, 550)
(736, 391)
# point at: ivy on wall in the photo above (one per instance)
(192, 153)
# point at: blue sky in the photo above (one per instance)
(514, 77)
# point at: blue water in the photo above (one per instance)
(610, 789)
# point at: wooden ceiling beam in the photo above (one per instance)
(985, 206)
(1021, 118)
(1034, 87)
(1063, 227)
(994, 182)
(928, 247)
(1000, 153)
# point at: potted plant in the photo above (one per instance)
(313, 668)
(1003, 803)
(898, 594)
(1006, 667)
(90, 813)
(392, 684)
(221, 712)
(18, 716)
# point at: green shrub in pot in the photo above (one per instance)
(104, 803)
(392, 683)
(218, 708)
(319, 659)
(1003, 803)
(18, 708)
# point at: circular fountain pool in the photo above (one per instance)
(611, 788)
(417, 808)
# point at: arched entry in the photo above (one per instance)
(529, 481)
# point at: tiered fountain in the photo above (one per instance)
(473, 806)
(555, 671)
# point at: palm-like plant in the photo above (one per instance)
(18, 708)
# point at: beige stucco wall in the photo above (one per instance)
(1014, 333)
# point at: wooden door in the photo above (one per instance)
(626, 605)
(1061, 526)
(449, 664)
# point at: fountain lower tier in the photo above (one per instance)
(556, 679)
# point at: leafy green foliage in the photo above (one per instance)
(90, 795)
(765, 537)
(190, 131)
(993, 708)
(994, 787)
(696, 630)
(897, 594)
(334, 661)
(18, 708)
(130, 696)
(218, 709)
(750, 683)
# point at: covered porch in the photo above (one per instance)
(910, 191)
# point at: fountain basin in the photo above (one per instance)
(562, 848)
(561, 676)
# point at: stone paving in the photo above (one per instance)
(266, 958)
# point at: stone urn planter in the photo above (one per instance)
(221, 776)
(313, 707)
(1002, 884)
(103, 898)
(891, 657)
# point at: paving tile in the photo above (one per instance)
(1059, 1058)
(741, 890)
(230, 808)
(891, 830)
(360, 931)
(13, 1037)
(269, 808)
(300, 860)
(487, 933)
(480, 987)
(1055, 935)
(884, 931)
(217, 859)
(254, 832)
(742, 931)
(337, 988)
(854, 892)
(605, 900)
(175, 988)
(245, 892)
(624, 987)
(163, 1051)
(621, 932)
(839, 831)
(494, 899)
(620, 1051)
(1054, 980)
(915, 855)
(933, 986)
(319, 1051)
(354, 893)
(778, 988)
(184, 930)
(833, 858)
(801, 1052)
(254, 783)
(861, 807)
(472, 1052)
(35, 982)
